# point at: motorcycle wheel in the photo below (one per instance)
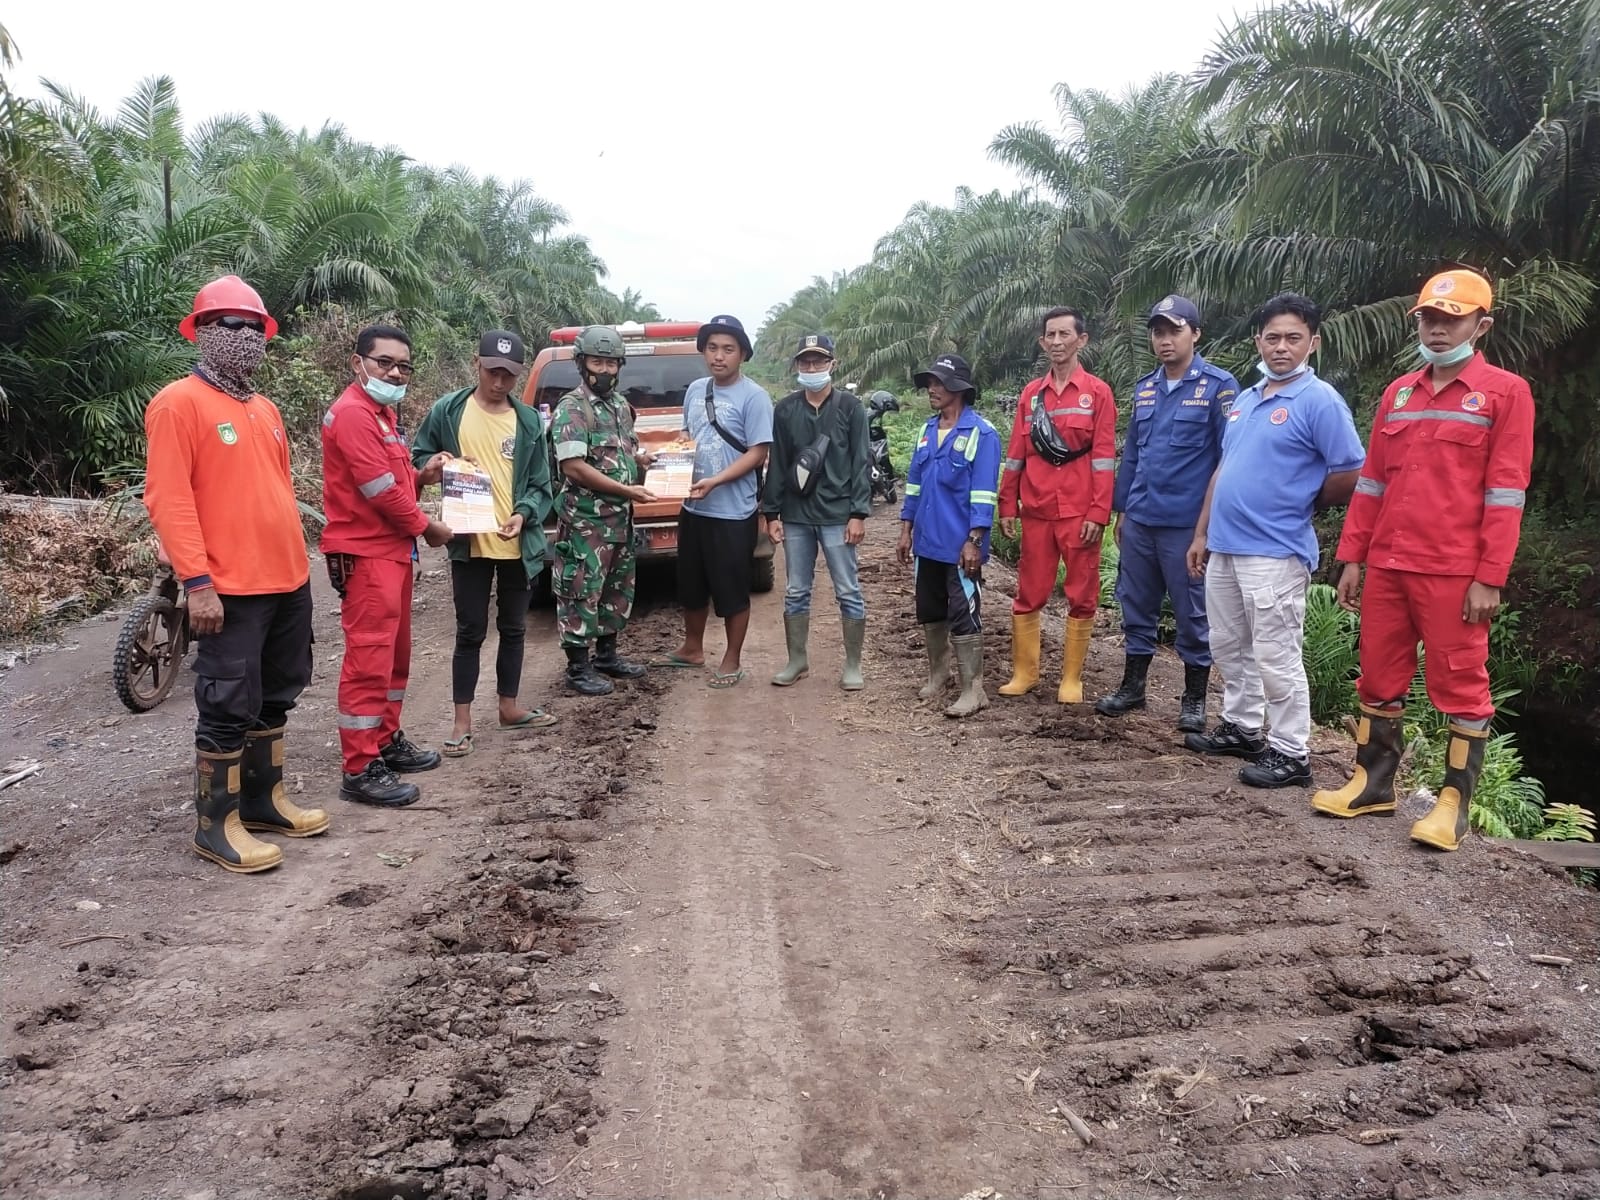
(150, 650)
(887, 490)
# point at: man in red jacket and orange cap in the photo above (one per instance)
(1436, 515)
(220, 497)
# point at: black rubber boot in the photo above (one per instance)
(404, 757)
(379, 786)
(1447, 821)
(1131, 694)
(607, 662)
(1380, 740)
(1192, 708)
(263, 804)
(219, 835)
(581, 677)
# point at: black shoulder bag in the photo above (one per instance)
(806, 470)
(711, 415)
(1046, 438)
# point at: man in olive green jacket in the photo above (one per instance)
(506, 440)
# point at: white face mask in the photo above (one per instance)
(1447, 358)
(385, 393)
(814, 381)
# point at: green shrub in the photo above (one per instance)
(1331, 656)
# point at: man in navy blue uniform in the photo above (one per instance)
(1173, 445)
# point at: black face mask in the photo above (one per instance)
(600, 385)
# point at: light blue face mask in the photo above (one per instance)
(814, 381)
(385, 393)
(1447, 358)
(1277, 378)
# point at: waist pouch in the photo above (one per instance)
(1047, 440)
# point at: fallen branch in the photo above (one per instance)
(1076, 1122)
(94, 937)
(547, 1182)
(1544, 960)
(821, 864)
(32, 768)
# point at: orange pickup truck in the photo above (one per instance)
(662, 363)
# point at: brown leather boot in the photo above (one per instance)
(1371, 789)
(263, 804)
(219, 834)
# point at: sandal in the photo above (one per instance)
(535, 718)
(672, 660)
(721, 681)
(458, 747)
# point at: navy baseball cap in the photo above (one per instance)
(723, 323)
(501, 349)
(815, 343)
(1177, 310)
(949, 369)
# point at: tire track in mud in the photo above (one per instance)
(1246, 1002)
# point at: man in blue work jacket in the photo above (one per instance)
(1173, 445)
(952, 488)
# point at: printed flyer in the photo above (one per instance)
(673, 471)
(468, 500)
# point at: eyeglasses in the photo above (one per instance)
(232, 322)
(387, 364)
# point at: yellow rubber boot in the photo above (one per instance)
(1079, 631)
(1371, 789)
(1024, 654)
(263, 804)
(219, 834)
(1446, 823)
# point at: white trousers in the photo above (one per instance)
(1257, 610)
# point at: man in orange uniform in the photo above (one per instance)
(218, 489)
(1059, 471)
(369, 496)
(1436, 516)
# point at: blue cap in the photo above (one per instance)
(815, 343)
(1177, 310)
(723, 323)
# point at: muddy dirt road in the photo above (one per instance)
(768, 943)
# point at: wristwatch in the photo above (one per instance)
(976, 539)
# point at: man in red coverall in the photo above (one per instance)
(369, 496)
(1058, 472)
(1435, 517)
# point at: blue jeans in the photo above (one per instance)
(800, 544)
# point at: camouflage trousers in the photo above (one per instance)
(593, 581)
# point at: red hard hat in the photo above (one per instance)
(228, 294)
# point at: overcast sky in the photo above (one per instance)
(717, 161)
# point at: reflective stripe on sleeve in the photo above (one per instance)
(1012, 464)
(1505, 497)
(351, 721)
(1430, 414)
(376, 487)
(984, 497)
(913, 489)
(1370, 487)
(1103, 464)
(397, 695)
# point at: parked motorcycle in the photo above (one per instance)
(155, 638)
(884, 479)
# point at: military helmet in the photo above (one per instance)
(600, 341)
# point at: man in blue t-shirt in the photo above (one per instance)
(729, 419)
(1289, 448)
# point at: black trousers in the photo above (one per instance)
(946, 594)
(714, 556)
(249, 675)
(470, 581)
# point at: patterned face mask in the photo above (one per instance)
(230, 356)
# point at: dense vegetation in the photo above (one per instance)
(1343, 148)
(110, 222)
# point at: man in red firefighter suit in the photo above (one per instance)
(1058, 472)
(369, 496)
(1435, 517)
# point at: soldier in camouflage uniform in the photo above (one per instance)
(602, 464)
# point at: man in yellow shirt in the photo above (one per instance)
(506, 441)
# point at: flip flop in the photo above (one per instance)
(458, 747)
(672, 660)
(721, 681)
(533, 719)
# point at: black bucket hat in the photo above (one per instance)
(951, 370)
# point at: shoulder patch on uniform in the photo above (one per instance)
(328, 420)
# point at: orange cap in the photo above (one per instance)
(1456, 293)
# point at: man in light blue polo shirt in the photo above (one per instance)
(729, 417)
(1289, 448)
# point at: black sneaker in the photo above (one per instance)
(380, 786)
(404, 757)
(1227, 738)
(1275, 769)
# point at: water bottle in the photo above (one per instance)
(544, 415)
